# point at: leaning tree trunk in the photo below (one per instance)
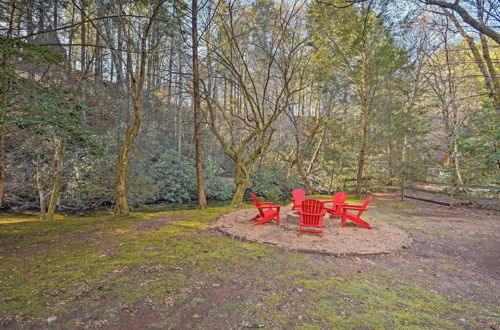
(299, 166)
(39, 186)
(56, 187)
(137, 90)
(121, 206)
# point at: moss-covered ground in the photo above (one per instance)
(169, 270)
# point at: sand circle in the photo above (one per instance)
(337, 240)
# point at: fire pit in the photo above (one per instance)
(340, 241)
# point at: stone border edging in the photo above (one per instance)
(311, 251)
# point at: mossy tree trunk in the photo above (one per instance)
(252, 100)
(121, 204)
(242, 181)
(58, 176)
(137, 75)
(39, 186)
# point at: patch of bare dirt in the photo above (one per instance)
(337, 240)
(150, 225)
(132, 317)
(195, 311)
(455, 250)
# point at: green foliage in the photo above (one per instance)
(51, 109)
(20, 49)
(41, 106)
(266, 184)
(174, 178)
(215, 187)
(480, 146)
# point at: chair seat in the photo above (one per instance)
(270, 212)
(267, 211)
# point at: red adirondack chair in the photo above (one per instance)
(356, 218)
(298, 196)
(311, 217)
(267, 211)
(337, 205)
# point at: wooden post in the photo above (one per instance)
(402, 188)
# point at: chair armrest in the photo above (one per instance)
(354, 207)
(270, 206)
(266, 203)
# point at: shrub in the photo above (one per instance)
(266, 184)
(174, 180)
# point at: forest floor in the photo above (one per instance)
(170, 270)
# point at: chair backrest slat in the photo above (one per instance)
(256, 203)
(299, 196)
(339, 198)
(364, 205)
(312, 212)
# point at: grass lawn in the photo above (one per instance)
(169, 270)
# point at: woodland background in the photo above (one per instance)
(100, 99)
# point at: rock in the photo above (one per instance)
(252, 325)
(51, 319)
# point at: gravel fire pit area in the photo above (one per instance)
(337, 240)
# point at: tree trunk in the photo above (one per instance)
(56, 187)
(316, 152)
(39, 186)
(487, 69)
(83, 57)
(118, 56)
(303, 176)
(180, 102)
(364, 129)
(455, 161)
(403, 167)
(121, 206)
(242, 181)
(136, 89)
(202, 201)
(56, 14)
(4, 89)
(3, 127)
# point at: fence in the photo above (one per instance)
(487, 197)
